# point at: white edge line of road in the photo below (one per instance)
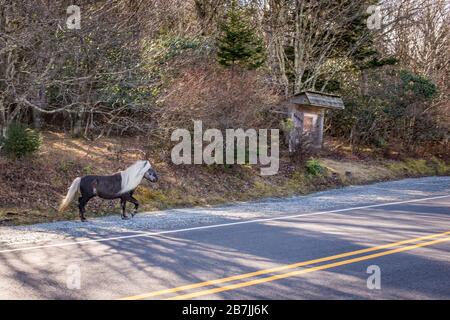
(151, 234)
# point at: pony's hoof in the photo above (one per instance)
(133, 214)
(125, 217)
(83, 220)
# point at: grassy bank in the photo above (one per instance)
(32, 188)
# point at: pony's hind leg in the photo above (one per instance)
(82, 201)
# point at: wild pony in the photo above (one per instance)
(119, 185)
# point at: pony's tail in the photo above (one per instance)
(73, 189)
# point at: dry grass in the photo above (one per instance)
(32, 188)
(361, 171)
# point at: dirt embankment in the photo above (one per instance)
(31, 189)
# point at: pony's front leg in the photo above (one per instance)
(123, 204)
(136, 206)
(135, 202)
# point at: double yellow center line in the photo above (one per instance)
(411, 244)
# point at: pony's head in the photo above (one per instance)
(151, 175)
(133, 175)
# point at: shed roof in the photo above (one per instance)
(318, 99)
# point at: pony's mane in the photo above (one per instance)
(132, 176)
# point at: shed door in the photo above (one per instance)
(309, 122)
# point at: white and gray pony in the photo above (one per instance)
(120, 185)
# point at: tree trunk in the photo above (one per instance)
(77, 127)
(42, 103)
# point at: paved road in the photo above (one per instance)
(236, 252)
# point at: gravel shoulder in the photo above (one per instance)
(352, 196)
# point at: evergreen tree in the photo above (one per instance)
(239, 44)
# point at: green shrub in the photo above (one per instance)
(313, 167)
(420, 87)
(239, 44)
(20, 141)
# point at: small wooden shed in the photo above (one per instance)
(307, 112)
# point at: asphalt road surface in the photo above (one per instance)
(385, 241)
